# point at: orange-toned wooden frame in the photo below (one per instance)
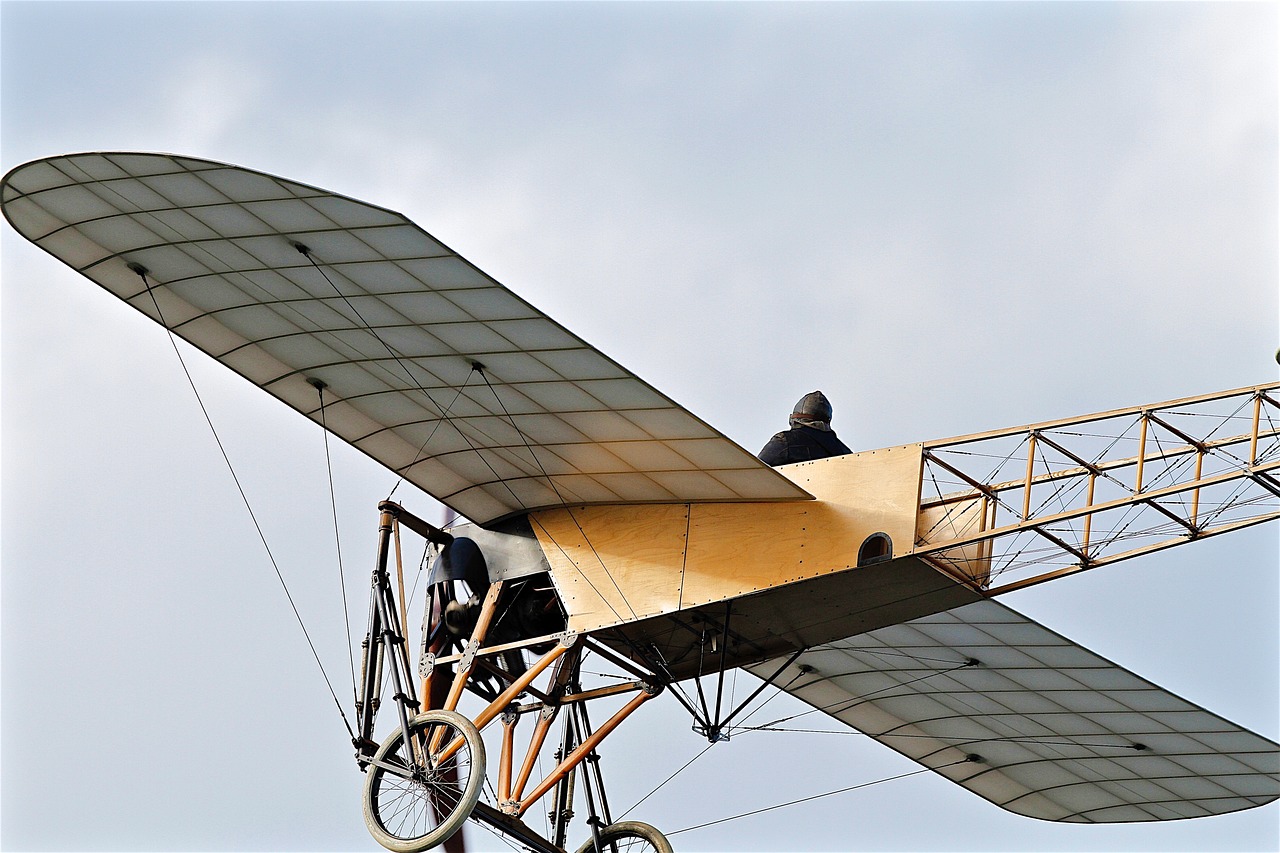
(564, 655)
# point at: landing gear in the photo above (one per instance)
(417, 795)
(426, 778)
(628, 836)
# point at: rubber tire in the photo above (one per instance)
(630, 830)
(458, 816)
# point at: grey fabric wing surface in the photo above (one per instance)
(1033, 722)
(429, 366)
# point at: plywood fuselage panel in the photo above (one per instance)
(787, 572)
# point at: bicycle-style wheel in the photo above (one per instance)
(416, 798)
(628, 836)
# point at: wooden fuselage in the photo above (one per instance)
(665, 578)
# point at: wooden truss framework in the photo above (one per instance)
(1011, 508)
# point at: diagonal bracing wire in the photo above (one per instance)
(814, 797)
(415, 384)
(854, 701)
(657, 787)
(554, 488)
(142, 273)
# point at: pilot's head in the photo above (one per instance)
(813, 406)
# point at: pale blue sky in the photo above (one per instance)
(950, 217)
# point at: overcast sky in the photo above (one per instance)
(950, 218)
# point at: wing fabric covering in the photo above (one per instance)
(430, 366)
(1039, 725)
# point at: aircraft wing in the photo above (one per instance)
(1032, 722)
(429, 366)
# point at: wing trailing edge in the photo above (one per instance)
(1032, 722)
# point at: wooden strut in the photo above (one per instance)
(509, 720)
(512, 800)
(560, 678)
(1128, 555)
(1088, 519)
(1100, 467)
(395, 536)
(1142, 455)
(573, 759)
(1253, 433)
(535, 746)
(1031, 469)
(1252, 391)
(498, 705)
(487, 611)
(565, 655)
(1053, 518)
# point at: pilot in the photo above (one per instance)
(810, 436)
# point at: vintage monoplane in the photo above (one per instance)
(613, 546)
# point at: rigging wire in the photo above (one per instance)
(786, 688)
(479, 368)
(418, 455)
(854, 701)
(957, 742)
(769, 727)
(685, 766)
(305, 251)
(142, 273)
(337, 538)
(808, 799)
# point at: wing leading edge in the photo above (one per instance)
(1038, 725)
(428, 365)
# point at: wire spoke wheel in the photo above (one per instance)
(628, 836)
(417, 797)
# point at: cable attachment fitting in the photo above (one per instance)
(301, 247)
(137, 268)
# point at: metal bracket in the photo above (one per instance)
(426, 664)
(468, 656)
